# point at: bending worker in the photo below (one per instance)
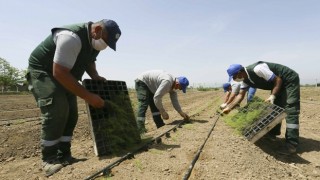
(284, 84)
(232, 89)
(151, 86)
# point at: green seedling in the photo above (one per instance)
(138, 164)
(247, 115)
(119, 125)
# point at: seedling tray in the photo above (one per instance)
(273, 116)
(113, 128)
(255, 119)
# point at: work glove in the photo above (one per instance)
(164, 115)
(222, 106)
(271, 99)
(184, 115)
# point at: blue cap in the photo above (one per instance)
(184, 82)
(233, 69)
(114, 32)
(226, 86)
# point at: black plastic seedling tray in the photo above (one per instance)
(113, 127)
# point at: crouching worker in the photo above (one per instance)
(284, 84)
(151, 86)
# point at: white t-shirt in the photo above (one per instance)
(235, 86)
(68, 46)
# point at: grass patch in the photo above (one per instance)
(137, 163)
(188, 126)
(247, 115)
(201, 88)
(155, 151)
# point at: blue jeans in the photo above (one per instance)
(251, 93)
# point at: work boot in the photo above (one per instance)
(287, 149)
(67, 160)
(64, 153)
(51, 166)
(159, 122)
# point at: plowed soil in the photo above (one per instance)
(225, 155)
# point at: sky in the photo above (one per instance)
(198, 39)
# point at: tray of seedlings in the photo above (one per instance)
(255, 119)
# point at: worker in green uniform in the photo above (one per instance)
(284, 84)
(55, 68)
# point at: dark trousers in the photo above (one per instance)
(289, 99)
(59, 113)
(145, 99)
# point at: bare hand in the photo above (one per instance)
(184, 115)
(99, 78)
(95, 101)
(165, 115)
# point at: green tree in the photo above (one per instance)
(10, 76)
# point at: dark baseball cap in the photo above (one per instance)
(114, 32)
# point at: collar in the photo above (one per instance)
(249, 76)
(174, 83)
(88, 26)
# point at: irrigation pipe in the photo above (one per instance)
(188, 173)
(130, 155)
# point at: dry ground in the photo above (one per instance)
(224, 156)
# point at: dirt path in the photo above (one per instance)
(224, 156)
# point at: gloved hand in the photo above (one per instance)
(271, 99)
(222, 106)
(226, 110)
(184, 115)
(164, 115)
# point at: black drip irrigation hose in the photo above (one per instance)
(193, 162)
(130, 155)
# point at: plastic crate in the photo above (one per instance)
(114, 122)
(259, 128)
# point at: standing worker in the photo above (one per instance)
(284, 84)
(55, 67)
(151, 86)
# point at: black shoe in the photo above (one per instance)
(287, 149)
(67, 160)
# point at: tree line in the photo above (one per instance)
(11, 77)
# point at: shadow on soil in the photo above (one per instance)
(306, 145)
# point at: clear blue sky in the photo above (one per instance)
(195, 38)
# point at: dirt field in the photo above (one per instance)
(224, 156)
